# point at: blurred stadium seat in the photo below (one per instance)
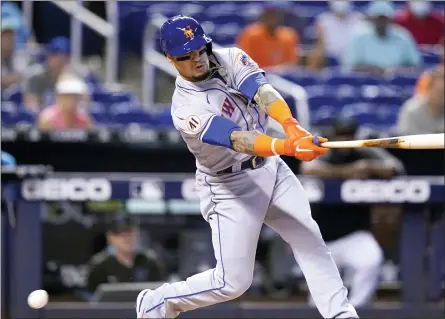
(134, 116)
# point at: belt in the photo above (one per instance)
(252, 163)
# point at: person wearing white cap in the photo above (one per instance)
(381, 46)
(68, 112)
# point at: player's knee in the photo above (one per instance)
(235, 286)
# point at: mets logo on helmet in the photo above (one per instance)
(188, 32)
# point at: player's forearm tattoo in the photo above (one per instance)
(243, 141)
(265, 96)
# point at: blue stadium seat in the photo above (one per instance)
(322, 109)
(372, 114)
(163, 119)
(331, 61)
(17, 117)
(10, 107)
(323, 115)
(140, 117)
(344, 100)
(164, 8)
(404, 80)
(224, 19)
(13, 94)
(372, 80)
(341, 79)
(387, 100)
(115, 102)
(301, 77)
(215, 10)
(100, 118)
(104, 96)
(8, 118)
(192, 9)
(24, 117)
(249, 10)
(100, 96)
(225, 34)
(430, 59)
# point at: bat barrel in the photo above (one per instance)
(421, 141)
(424, 141)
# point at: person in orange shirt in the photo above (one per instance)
(268, 42)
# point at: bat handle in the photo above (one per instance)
(316, 141)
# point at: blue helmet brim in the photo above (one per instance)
(190, 46)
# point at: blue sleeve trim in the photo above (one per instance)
(250, 85)
(218, 130)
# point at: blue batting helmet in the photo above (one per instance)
(181, 35)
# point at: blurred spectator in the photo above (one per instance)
(333, 32)
(123, 261)
(424, 80)
(268, 42)
(347, 228)
(382, 46)
(425, 24)
(13, 62)
(423, 114)
(11, 11)
(40, 86)
(69, 110)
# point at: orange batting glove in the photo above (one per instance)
(293, 128)
(307, 148)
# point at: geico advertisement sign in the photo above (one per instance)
(394, 191)
(74, 189)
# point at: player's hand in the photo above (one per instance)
(307, 148)
(293, 129)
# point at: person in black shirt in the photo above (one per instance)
(122, 261)
(347, 228)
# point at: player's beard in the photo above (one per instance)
(203, 77)
(208, 75)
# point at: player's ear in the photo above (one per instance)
(169, 58)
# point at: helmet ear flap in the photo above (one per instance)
(209, 48)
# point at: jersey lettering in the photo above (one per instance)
(227, 108)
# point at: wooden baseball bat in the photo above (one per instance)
(414, 142)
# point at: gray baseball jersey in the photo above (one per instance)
(195, 104)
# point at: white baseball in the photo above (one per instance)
(38, 299)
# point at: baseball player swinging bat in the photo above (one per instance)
(413, 142)
(221, 106)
